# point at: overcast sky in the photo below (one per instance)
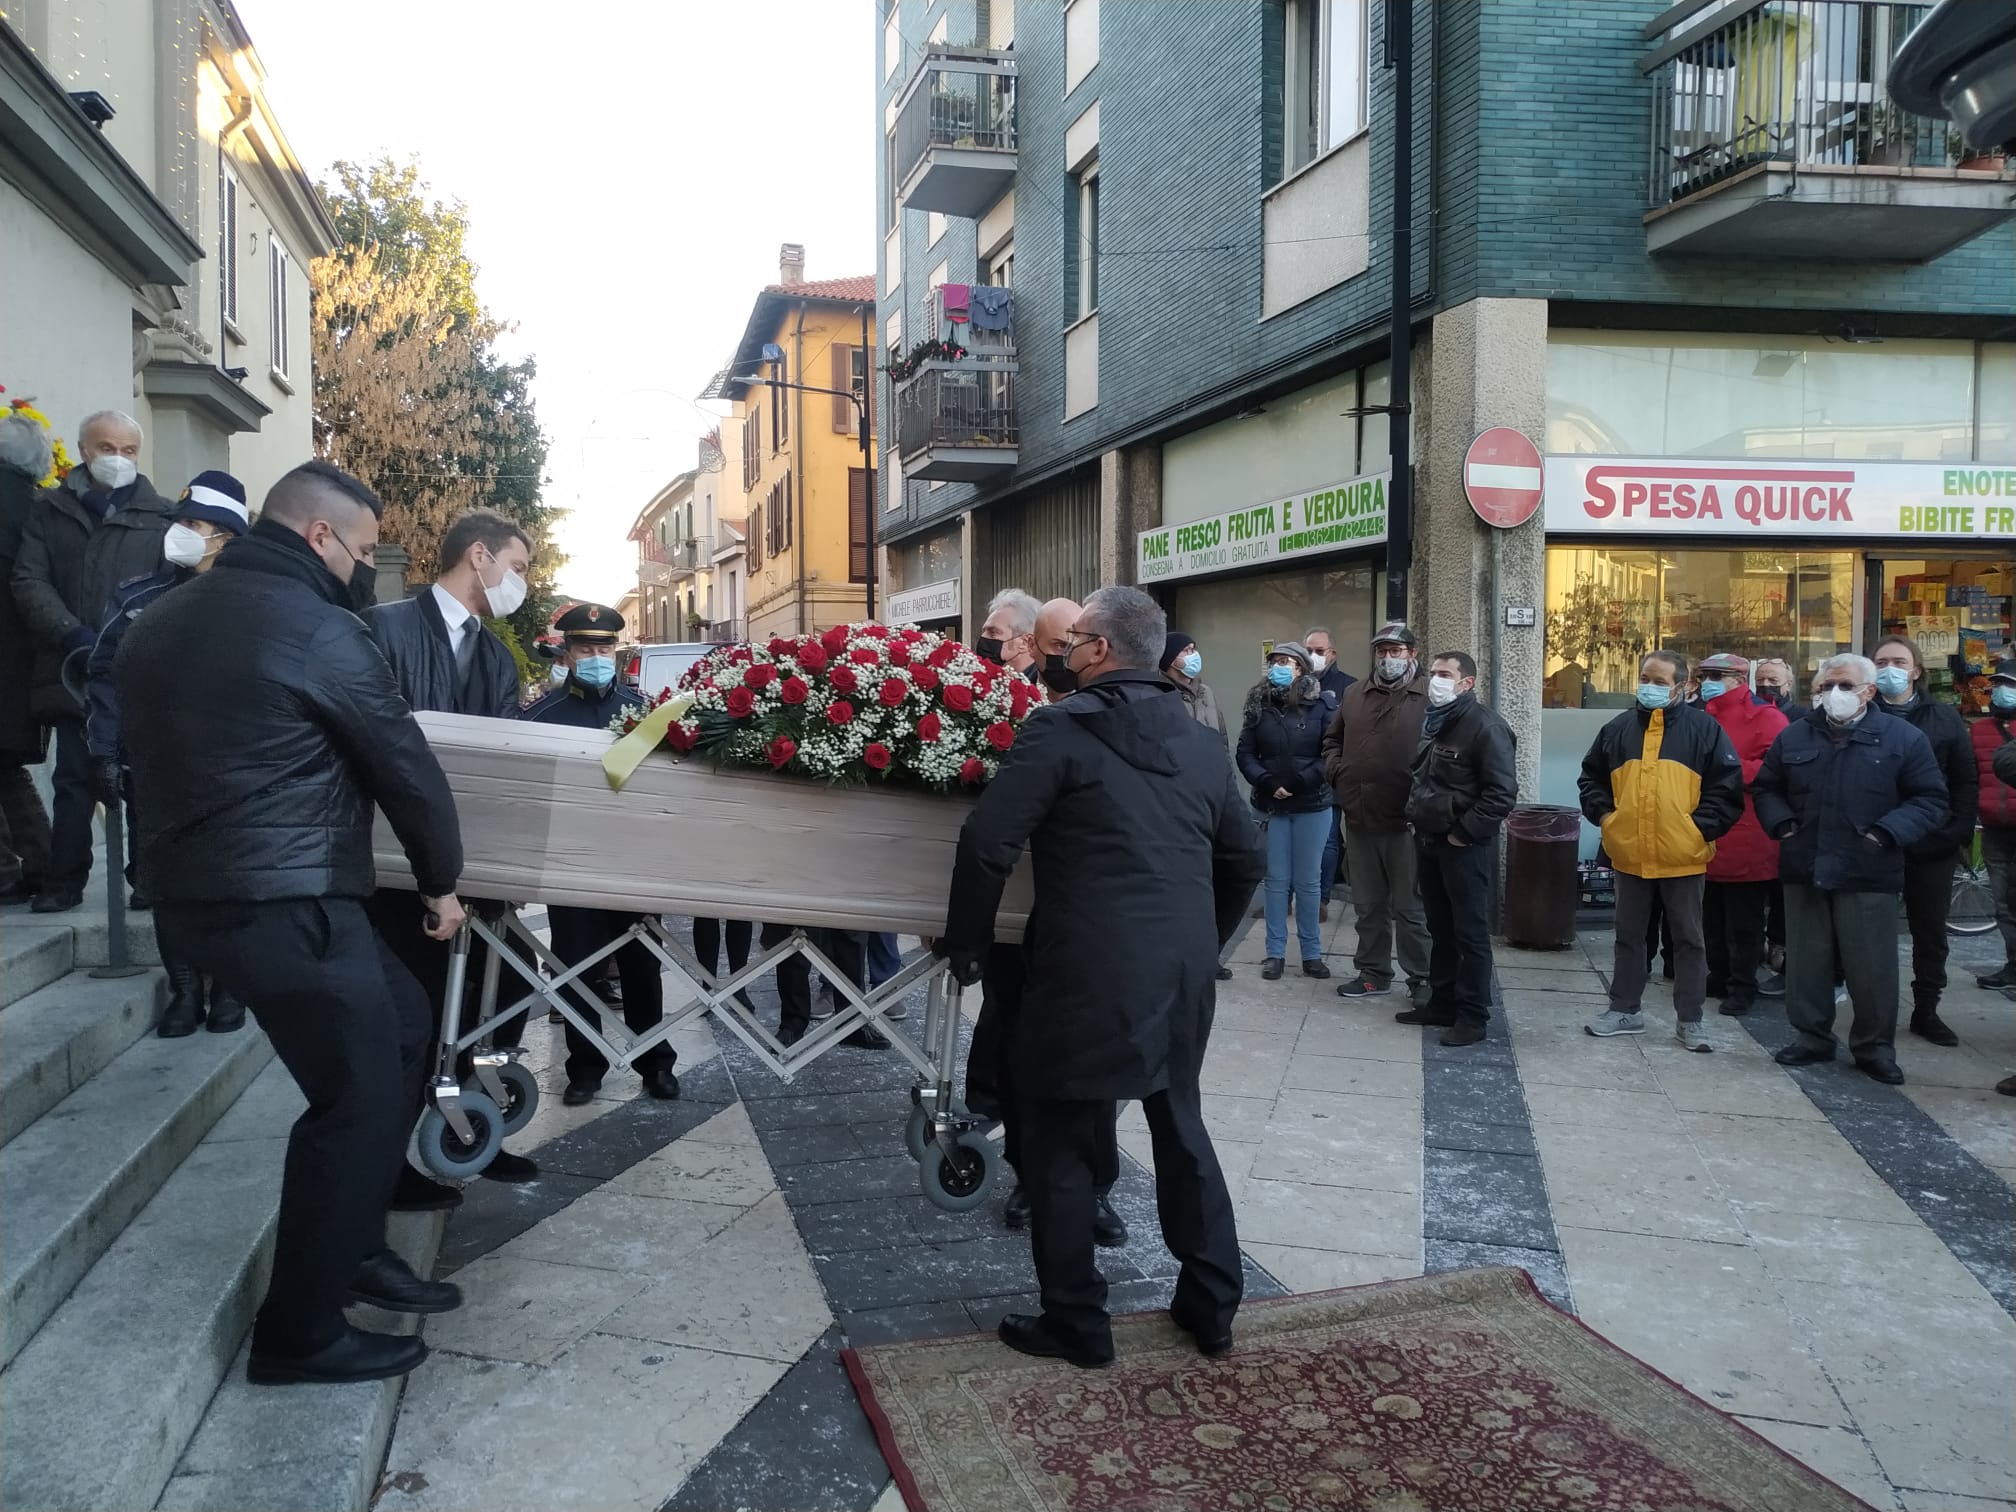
(630, 168)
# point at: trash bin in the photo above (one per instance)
(1542, 882)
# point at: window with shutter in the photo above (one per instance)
(227, 245)
(784, 524)
(860, 489)
(755, 542)
(281, 344)
(843, 379)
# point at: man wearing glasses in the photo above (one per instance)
(1845, 794)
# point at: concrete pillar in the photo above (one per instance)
(1488, 366)
(972, 615)
(1130, 501)
(182, 442)
(393, 563)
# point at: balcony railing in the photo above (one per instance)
(955, 421)
(955, 132)
(1776, 113)
(727, 631)
(986, 339)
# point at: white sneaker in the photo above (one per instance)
(1693, 1037)
(1612, 1022)
(1841, 996)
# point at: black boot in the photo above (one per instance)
(185, 1001)
(1927, 1025)
(226, 1012)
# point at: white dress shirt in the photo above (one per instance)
(455, 615)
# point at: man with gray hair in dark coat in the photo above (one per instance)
(1145, 857)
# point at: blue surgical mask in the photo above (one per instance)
(1893, 682)
(2002, 700)
(1192, 664)
(595, 671)
(1654, 695)
(1280, 677)
(1712, 688)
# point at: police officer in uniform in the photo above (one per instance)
(589, 699)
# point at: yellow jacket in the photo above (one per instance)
(1663, 785)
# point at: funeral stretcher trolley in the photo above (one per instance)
(541, 825)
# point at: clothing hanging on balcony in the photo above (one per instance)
(957, 299)
(991, 306)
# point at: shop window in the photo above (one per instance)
(1997, 386)
(1607, 607)
(1957, 610)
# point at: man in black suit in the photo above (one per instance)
(446, 661)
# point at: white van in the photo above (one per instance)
(661, 667)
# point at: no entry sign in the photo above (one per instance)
(1501, 477)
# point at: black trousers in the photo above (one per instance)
(1456, 896)
(990, 1081)
(24, 830)
(70, 847)
(1060, 1144)
(847, 949)
(1734, 920)
(400, 919)
(707, 942)
(351, 1026)
(577, 934)
(1928, 900)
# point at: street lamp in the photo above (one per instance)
(860, 401)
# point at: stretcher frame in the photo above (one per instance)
(465, 1122)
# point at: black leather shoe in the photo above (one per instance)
(663, 1085)
(506, 1167)
(1271, 969)
(1467, 1033)
(139, 902)
(1316, 968)
(1432, 1018)
(580, 1092)
(1029, 1335)
(867, 1037)
(789, 1034)
(1884, 1071)
(227, 1013)
(1209, 1345)
(421, 1194)
(1224, 973)
(356, 1356)
(184, 1012)
(384, 1280)
(1927, 1025)
(1802, 1055)
(1109, 1229)
(56, 900)
(1016, 1214)
(2002, 976)
(1733, 1009)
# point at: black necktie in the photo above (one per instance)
(466, 652)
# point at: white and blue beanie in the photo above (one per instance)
(217, 497)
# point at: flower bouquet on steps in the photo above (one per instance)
(862, 703)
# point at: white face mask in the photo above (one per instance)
(1840, 704)
(183, 546)
(1441, 690)
(1393, 668)
(113, 472)
(505, 598)
(1318, 660)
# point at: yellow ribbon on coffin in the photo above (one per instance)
(629, 751)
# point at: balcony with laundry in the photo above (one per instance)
(955, 389)
(955, 132)
(1774, 135)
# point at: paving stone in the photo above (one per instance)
(516, 1308)
(615, 1231)
(812, 1144)
(696, 1171)
(1331, 1217)
(493, 1213)
(642, 1126)
(861, 1279)
(800, 1110)
(1307, 1270)
(1840, 1454)
(839, 1180)
(1548, 1270)
(1485, 1197)
(1660, 1187)
(890, 1325)
(1456, 1133)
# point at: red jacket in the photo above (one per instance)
(1746, 853)
(1998, 799)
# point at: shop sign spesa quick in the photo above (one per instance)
(1774, 499)
(1334, 518)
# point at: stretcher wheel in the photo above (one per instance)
(446, 1154)
(917, 1129)
(521, 1094)
(960, 1183)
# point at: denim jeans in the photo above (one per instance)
(1295, 858)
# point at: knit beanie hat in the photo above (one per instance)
(218, 498)
(1172, 648)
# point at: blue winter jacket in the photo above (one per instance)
(1845, 804)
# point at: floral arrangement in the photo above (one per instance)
(930, 349)
(61, 460)
(860, 703)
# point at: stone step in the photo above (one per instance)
(97, 1409)
(304, 1448)
(32, 955)
(56, 1038)
(72, 1181)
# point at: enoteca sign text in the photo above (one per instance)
(1333, 518)
(1777, 498)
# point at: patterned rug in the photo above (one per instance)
(1465, 1392)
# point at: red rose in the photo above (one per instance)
(835, 640)
(794, 690)
(843, 678)
(741, 703)
(972, 771)
(877, 756)
(894, 690)
(866, 656)
(680, 738)
(741, 654)
(839, 712)
(875, 632)
(1000, 734)
(899, 654)
(958, 698)
(781, 750)
(812, 656)
(924, 676)
(761, 675)
(929, 727)
(1019, 694)
(942, 657)
(779, 646)
(911, 636)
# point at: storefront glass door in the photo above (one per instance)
(1958, 611)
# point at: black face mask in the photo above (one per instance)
(363, 586)
(989, 646)
(1057, 674)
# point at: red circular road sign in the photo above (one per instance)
(1501, 477)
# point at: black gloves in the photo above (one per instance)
(967, 965)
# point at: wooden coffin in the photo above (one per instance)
(540, 824)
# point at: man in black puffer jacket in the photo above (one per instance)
(255, 784)
(1928, 865)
